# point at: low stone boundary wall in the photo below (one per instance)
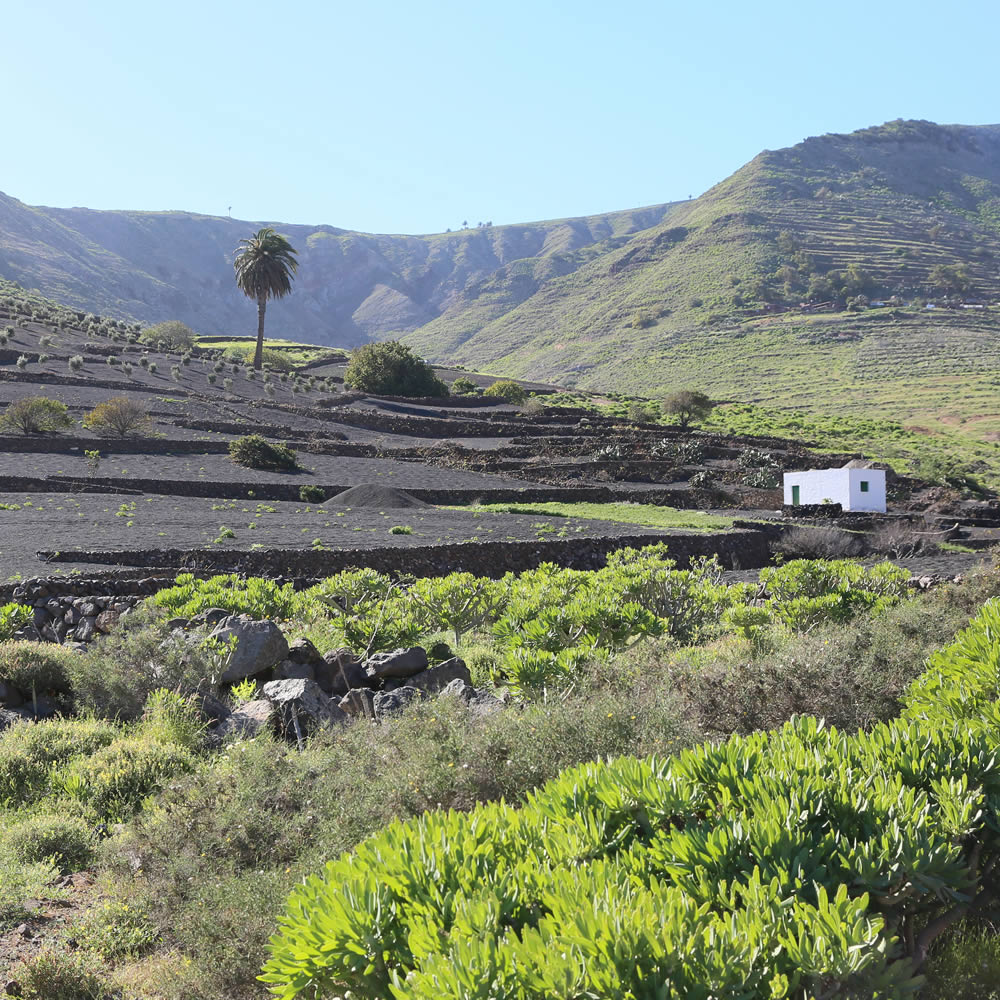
(118, 446)
(290, 491)
(738, 549)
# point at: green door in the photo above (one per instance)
(795, 494)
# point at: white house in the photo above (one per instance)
(854, 487)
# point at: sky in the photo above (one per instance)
(408, 117)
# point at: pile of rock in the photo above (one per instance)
(76, 619)
(303, 689)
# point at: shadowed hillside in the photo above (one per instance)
(352, 287)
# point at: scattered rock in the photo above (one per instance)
(397, 663)
(389, 703)
(260, 646)
(437, 678)
(359, 702)
(247, 721)
(341, 671)
(303, 651)
(290, 670)
(303, 704)
(210, 617)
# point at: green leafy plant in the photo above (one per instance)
(256, 452)
(36, 415)
(13, 617)
(390, 368)
(312, 494)
(506, 389)
(119, 416)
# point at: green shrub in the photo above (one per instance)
(312, 494)
(13, 617)
(389, 368)
(256, 452)
(23, 886)
(463, 386)
(38, 667)
(965, 966)
(507, 389)
(169, 336)
(275, 360)
(400, 529)
(114, 781)
(36, 415)
(170, 717)
(66, 840)
(254, 596)
(728, 865)
(119, 417)
(115, 929)
(64, 975)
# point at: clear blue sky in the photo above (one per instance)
(406, 117)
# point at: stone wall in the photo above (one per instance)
(738, 549)
(118, 446)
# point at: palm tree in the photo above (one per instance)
(264, 267)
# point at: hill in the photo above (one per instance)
(352, 287)
(746, 291)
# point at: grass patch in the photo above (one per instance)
(625, 513)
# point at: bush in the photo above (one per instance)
(389, 368)
(13, 616)
(118, 417)
(256, 452)
(687, 406)
(463, 386)
(169, 336)
(36, 415)
(312, 494)
(275, 360)
(63, 975)
(400, 529)
(66, 840)
(507, 389)
(38, 667)
(819, 543)
(75, 363)
(114, 781)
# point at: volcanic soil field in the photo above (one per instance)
(418, 472)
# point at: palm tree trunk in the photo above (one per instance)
(258, 357)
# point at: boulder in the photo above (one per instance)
(106, 621)
(480, 702)
(389, 703)
(340, 672)
(290, 670)
(397, 663)
(210, 617)
(359, 702)
(247, 721)
(303, 651)
(301, 702)
(260, 646)
(434, 679)
(85, 630)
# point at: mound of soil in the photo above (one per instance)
(380, 497)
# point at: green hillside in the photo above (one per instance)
(906, 212)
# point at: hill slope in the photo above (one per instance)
(352, 286)
(711, 295)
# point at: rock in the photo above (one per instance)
(359, 702)
(290, 670)
(210, 617)
(247, 721)
(480, 702)
(85, 630)
(259, 646)
(340, 672)
(40, 617)
(10, 696)
(106, 621)
(303, 651)
(72, 616)
(9, 718)
(88, 609)
(389, 703)
(302, 702)
(177, 623)
(436, 678)
(397, 663)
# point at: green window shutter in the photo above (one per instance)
(795, 494)
(864, 485)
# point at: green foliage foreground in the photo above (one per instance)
(804, 862)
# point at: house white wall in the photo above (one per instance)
(841, 486)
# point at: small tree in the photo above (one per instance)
(687, 405)
(391, 369)
(172, 335)
(36, 415)
(118, 417)
(463, 386)
(507, 389)
(256, 452)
